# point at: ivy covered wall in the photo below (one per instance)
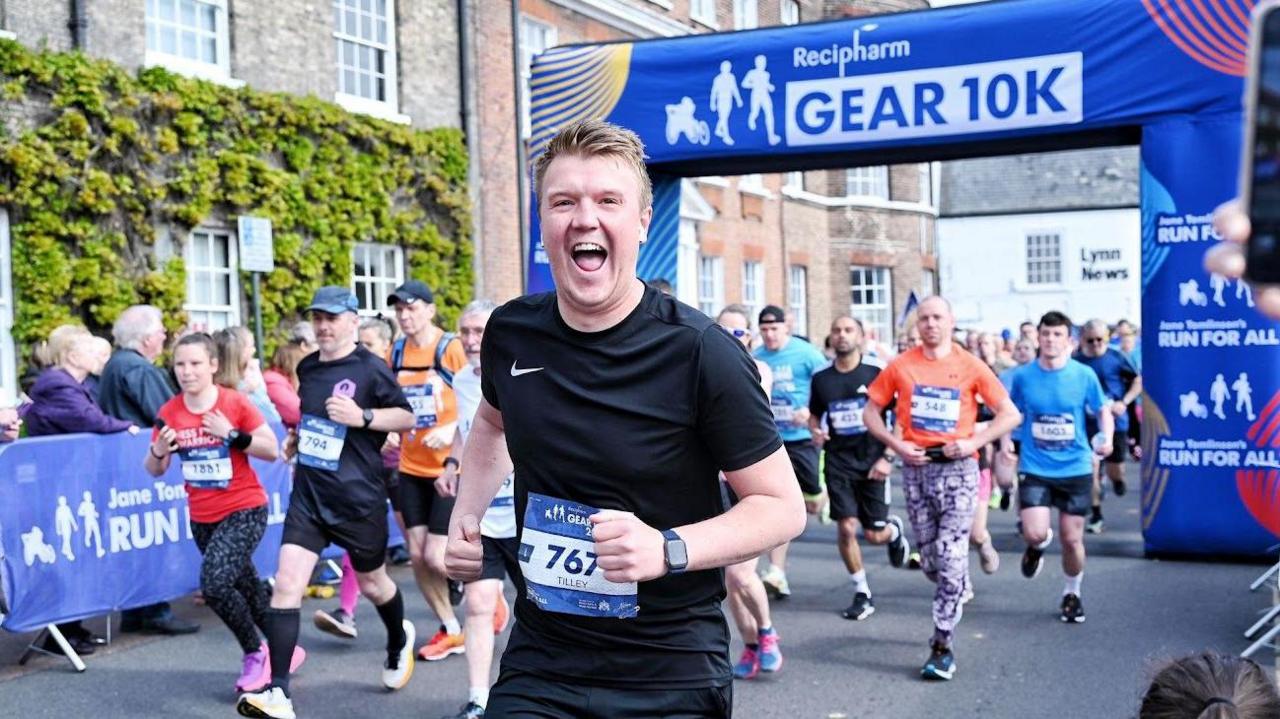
(95, 163)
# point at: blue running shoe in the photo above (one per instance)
(941, 665)
(770, 654)
(748, 666)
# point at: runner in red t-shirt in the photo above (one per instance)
(213, 430)
(933, 391)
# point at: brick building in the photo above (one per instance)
(820, 243)
(367, 56)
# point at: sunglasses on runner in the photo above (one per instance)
(739, 333)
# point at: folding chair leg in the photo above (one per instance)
(1265, 641)
(1262, 579)
(1258, 626)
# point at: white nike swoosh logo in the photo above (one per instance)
(517, 372)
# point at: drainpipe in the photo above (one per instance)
(522, 159)
(79, 24)
(471, 130)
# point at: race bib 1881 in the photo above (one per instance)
(207, 467)
(845, 416)
(320, 442)
(558, 557)
(935, 409)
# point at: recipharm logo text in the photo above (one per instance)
(1027, 92)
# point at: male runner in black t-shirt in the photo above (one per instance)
(618, 406)
(350, 401)
(857, 464)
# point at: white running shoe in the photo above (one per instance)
(775, 583)
(395, 676)
(270, 703)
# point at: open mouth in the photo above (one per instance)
(589, 256)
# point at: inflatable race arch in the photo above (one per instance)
(998, 78)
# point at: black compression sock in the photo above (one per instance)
(1096, 513)
(282, 638)
(392, 614)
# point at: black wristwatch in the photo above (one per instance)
(368, 418)
(231, 437)
(677, 556)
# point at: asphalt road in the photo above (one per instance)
(1014, 657)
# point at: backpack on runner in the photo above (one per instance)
(437, 366)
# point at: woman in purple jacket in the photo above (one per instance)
(62, 404)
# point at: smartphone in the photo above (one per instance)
(1260, 166)
(935, 453)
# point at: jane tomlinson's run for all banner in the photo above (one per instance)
(84, 530)
(744, 102)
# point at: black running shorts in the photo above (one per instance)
(521, 695)
(804, 460)
(500, 560)
(421, 506)
(1071, 495)
(364, 539)
(854, 495)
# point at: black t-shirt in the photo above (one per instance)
(639, 417)
(842, 396)
(355, 489)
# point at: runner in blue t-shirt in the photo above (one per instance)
(1122, 384)
(793, 362)
(1057, 461)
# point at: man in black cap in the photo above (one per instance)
(794, 362)
(350, 402)
(424, 362)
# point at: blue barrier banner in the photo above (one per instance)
(84, 530)
(1211, 379)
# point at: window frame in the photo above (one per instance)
(857, 183)
(551, 36)
(704, 12)
(387, 283)
(218, 71)
(8, 350)
(710, 304)
(746, 14)
(1042, 270)
(232, 271)
(387, 108)
(874, 315)
(789, 12)
(798, 298)
(753, 280)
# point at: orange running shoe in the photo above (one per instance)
(501, 614)
(441, 646)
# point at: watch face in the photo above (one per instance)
(677, 557)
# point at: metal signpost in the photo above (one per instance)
(257, 255)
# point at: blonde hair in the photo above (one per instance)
(63, 341)
(286, 359)
(230, 343)
(596, 138)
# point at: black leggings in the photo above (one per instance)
(228, 578)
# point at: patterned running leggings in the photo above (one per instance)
(228, 579)
(941, 499)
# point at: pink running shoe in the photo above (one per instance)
(251, 681)
(748, 666)
(254, 675)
